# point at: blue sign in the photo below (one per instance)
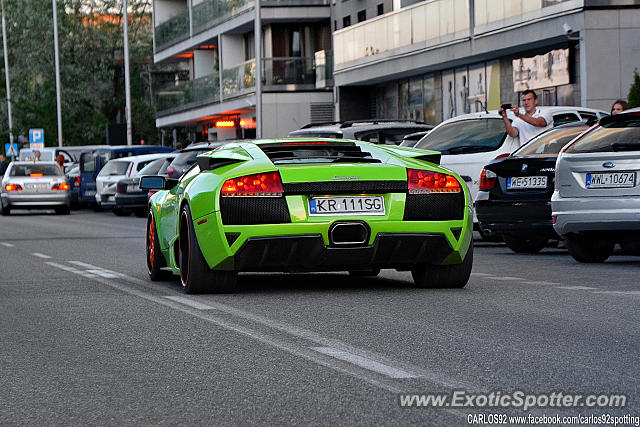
(36, 136)
(11, 150)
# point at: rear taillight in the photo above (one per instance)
(76, 182)
(421, 181)
(36, 175)
(170, 170)
(502, 156)
(63, 186)
(487, 180)
(260, 184)
(13, 187)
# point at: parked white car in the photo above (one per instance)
(117, 169)
(470, 141)
(596, 201)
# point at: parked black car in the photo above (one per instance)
(73, 179)
(129, 197)
(514, 198)
(376, 131)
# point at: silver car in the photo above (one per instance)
(596, 202)
(34, 185)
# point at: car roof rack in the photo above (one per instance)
(350, 123)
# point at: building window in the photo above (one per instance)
(362, 15)
(380, 9)
(346, 21)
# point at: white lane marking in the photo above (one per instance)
(618, 292)
(190, 303)
(39, 255)
(291, 330)
(365, 363)
(577, 288)
(8, 245)
(71, 269)
(481, 274)
(505, 278)
(102, 272)
(540, 282)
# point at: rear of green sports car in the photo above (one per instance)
(311, 205)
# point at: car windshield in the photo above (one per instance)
(151, 168)
(187, 158)
(619, 135)
(550, 143)
(115, 168)
(465, 136)
(35, 170)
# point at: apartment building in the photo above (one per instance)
(431, 60)
(218, 93)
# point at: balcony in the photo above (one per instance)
(210, 13)
(429, 23)
(279, 75)
(190, 94)
(172, 31)
(491, 15)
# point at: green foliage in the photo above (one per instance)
(634, 91)
(91, 68)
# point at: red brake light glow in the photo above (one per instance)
(36, 175)
(63, 186)
(421, 181)
(260, 184)
(487, 180)
(76, 182)
(13, 187)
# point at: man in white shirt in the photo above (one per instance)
(532, 123)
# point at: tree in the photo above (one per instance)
(91, 67)
(634, 91)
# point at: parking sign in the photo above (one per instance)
(36, 136)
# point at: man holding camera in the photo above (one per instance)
(532, 123)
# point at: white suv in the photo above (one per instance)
(115, 170)
(470, 141)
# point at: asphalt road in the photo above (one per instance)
(86, 338)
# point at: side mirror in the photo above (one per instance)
(152, 183)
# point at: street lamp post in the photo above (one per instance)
(258, 48)
(6, 72)
(127, 90)
(55, 42)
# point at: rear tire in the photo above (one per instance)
(364, 273)
(524, 245)
(195, 275)
(444, 276)
(155, 259)
(588, 249)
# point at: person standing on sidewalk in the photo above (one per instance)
(532, 123)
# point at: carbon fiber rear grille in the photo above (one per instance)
(254, 210)
(434, 207)
(345, 187)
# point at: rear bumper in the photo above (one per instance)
(131, 201)
(516, 216)
(309, 253)
(34, 201)
(593, 214)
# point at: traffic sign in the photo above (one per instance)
(11, 150)
(36, 136)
